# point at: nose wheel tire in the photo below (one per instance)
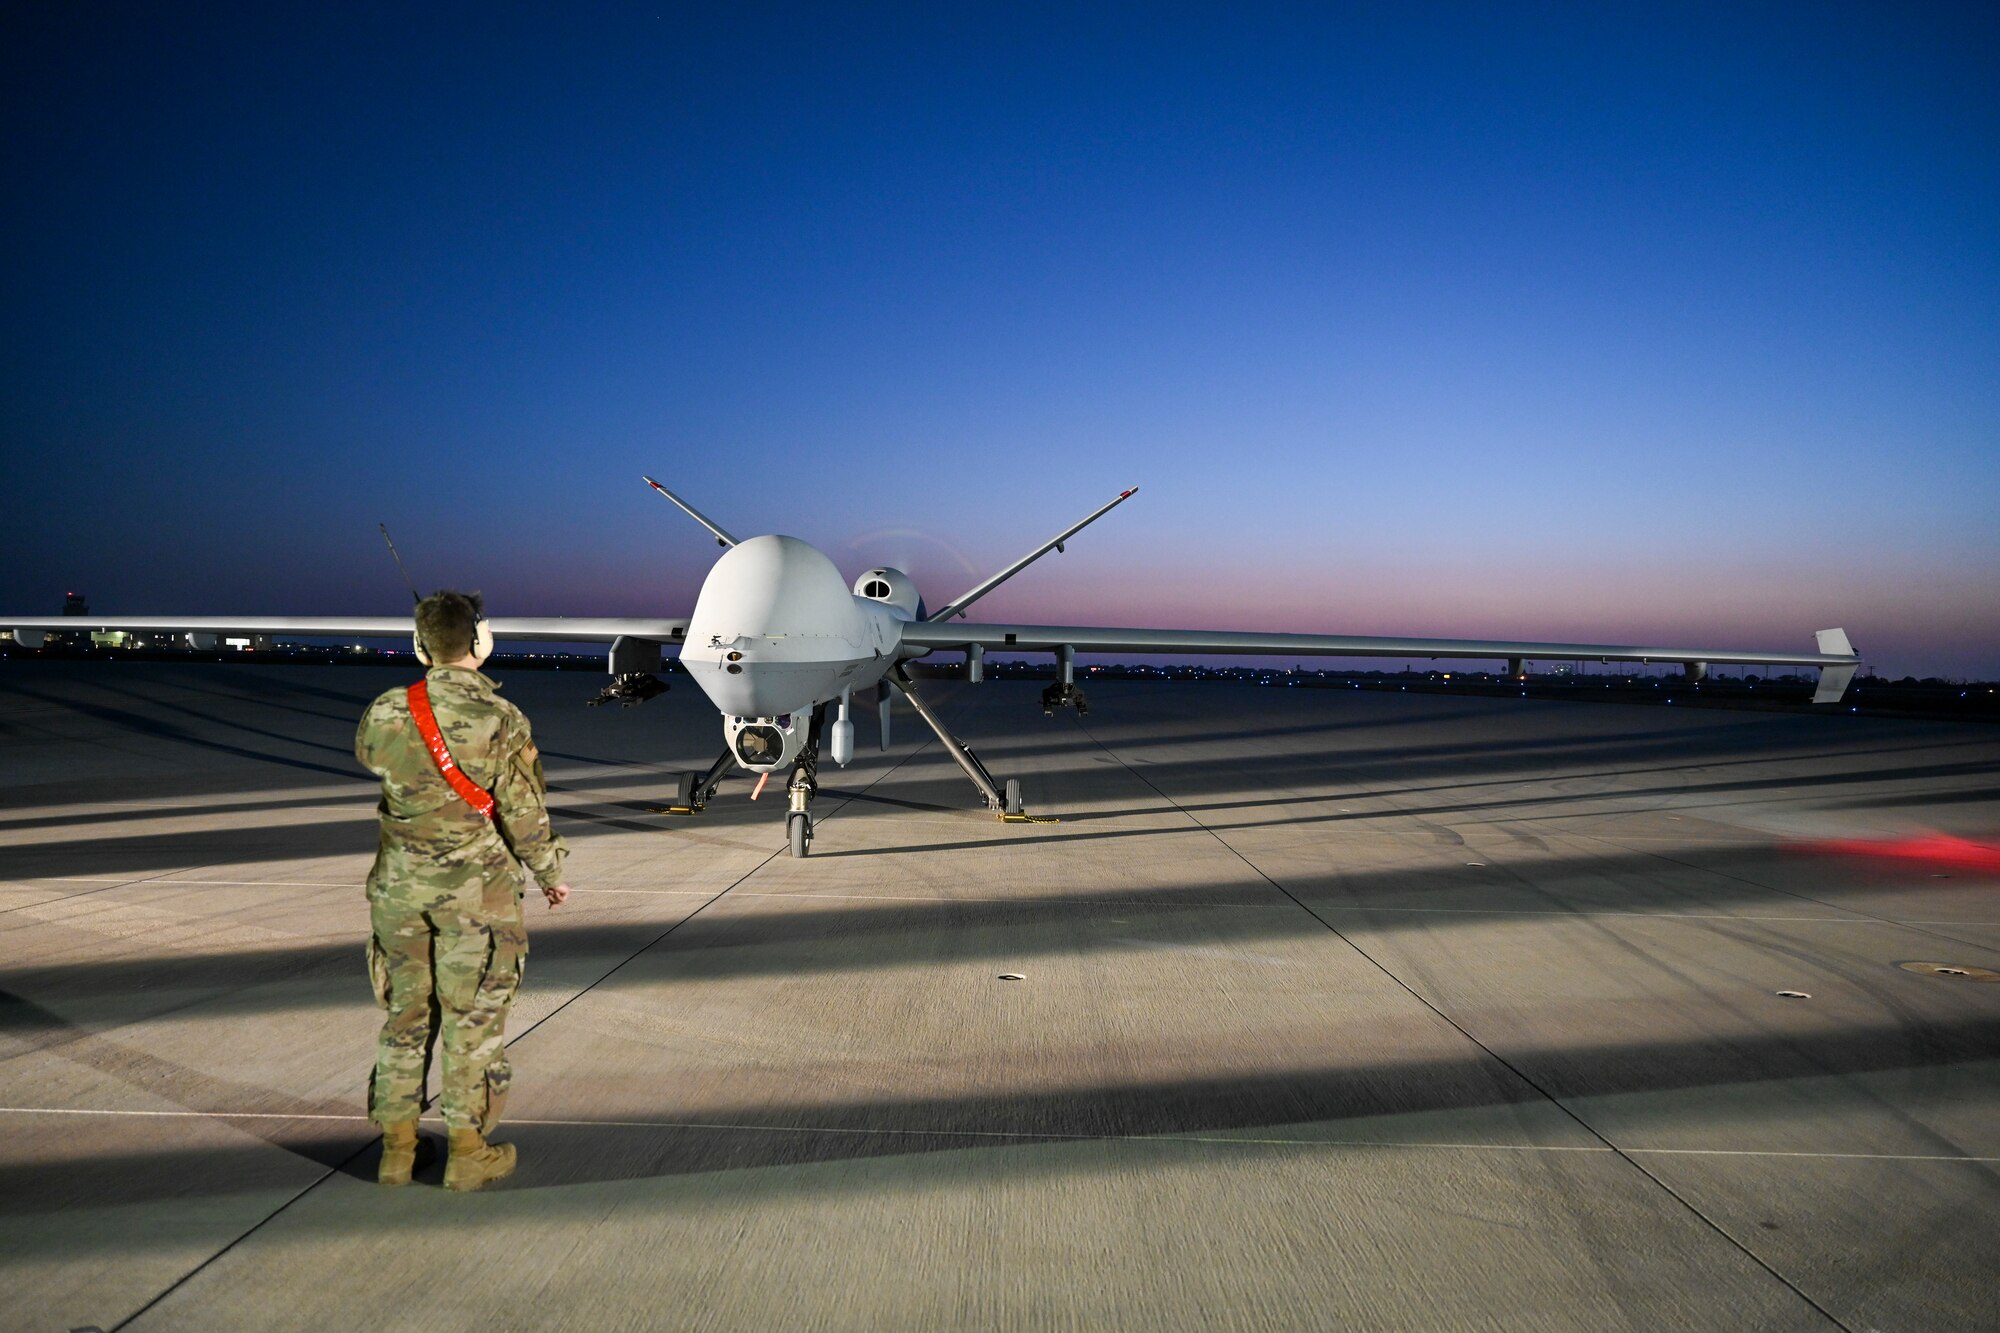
(799, 832)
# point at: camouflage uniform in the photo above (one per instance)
(444, 897)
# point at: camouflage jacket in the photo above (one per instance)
(431, 839)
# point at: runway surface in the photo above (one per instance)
(1337, 1009)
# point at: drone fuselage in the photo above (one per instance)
(776, 631)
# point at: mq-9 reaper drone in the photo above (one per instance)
(782, 645)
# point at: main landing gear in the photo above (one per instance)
(693, 791)
(1005, 803)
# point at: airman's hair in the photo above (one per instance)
(445, 622)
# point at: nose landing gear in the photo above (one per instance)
(693, 791)
(802, 788)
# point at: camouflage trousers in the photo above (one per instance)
(445, 971)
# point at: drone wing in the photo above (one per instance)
(29, 630)
(1836, 659)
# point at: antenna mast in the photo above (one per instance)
(415, 596)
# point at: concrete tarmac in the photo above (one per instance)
(1336, 1009)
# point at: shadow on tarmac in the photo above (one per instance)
(809, 934)
(155, 853)
(725, 1138)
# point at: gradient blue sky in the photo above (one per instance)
(1611, 322)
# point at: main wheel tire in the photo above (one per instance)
(799, 831)
(1014, 805)
(684, 791)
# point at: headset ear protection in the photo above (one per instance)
(482, 642)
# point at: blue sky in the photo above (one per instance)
(1605, 322)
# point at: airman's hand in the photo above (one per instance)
(557, 896)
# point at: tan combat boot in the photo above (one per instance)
(400, 1150)
(474, 1161)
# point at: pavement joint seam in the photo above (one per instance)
(1553, 1100)
(344, 1162)
(85, 893)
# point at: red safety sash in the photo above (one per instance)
(473, 794)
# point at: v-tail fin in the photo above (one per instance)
(1834, 680)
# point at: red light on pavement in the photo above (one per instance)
(1932, 848)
